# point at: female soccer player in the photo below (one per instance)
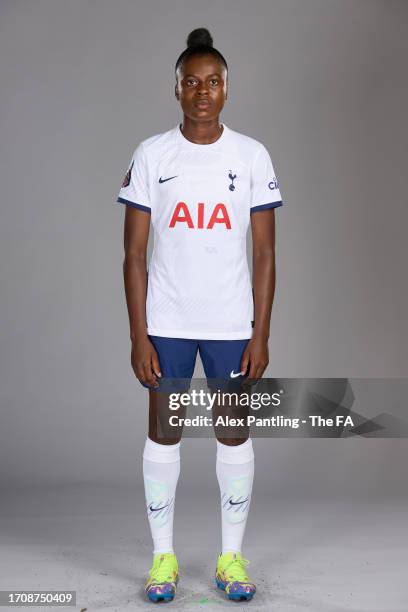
(199, 183)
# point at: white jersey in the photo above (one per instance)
(200, 197)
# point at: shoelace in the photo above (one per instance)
(163, 571)
(238, 570)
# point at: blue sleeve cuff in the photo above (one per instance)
(134, 205)
(266, 206)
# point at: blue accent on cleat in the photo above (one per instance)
(238, 596)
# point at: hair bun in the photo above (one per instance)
(199, 36)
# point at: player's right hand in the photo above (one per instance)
(145, 362)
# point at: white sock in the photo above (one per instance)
(235, 473)
(161, 469)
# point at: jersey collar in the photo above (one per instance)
(193, 146)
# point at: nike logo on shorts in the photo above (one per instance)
(235, 374)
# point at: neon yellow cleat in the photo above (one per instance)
(231, 577)
(163, 578)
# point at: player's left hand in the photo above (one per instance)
(256, 357)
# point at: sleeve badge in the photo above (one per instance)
(128, 174)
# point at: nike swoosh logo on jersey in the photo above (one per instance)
(234, 375)
(167, 179)
(157, 509)
(237, 503)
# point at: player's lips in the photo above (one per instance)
(202, 103)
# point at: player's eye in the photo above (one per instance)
(214, 81)
(190, 81)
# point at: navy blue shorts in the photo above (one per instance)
(221, 359)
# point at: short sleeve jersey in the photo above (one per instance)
(200, 198)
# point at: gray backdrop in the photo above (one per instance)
(323, 85)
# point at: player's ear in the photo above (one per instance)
(176, 92)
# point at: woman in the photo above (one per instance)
(199, 183)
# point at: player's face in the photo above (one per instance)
(202, 87)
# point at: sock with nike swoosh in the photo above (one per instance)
(161, 470)
(235, 473)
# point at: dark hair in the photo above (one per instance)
(199, 42)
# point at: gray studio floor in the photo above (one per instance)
(323, 555)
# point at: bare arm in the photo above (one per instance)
(263, 280)
(144, 358)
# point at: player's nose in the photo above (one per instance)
(202, 89)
